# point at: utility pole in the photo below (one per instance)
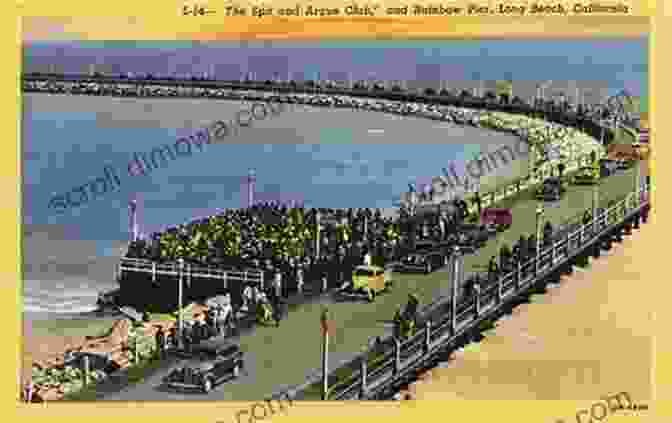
(596, 199)
(180, 295)
(251, 181)
(456, 282)
(325, 323)
(317, 237)
(539, 215)
(133, 223)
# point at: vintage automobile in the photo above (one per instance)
(217, 362)
(587, 175)
(608, 167)
(551, 189)
(501, 219)
(472, 236)
(367, 282)
(426, 258)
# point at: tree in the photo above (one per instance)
(430, 92)
(396, 88)
(491, 96)
(561, 169)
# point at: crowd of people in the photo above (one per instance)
(282, 239)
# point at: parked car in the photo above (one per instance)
(608, 167)
(500, 218)
(587, 175)
(426, 258)
(217, 362)
(426, 262)
(367, 282)
(551, 189)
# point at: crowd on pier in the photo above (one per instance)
(301, 243)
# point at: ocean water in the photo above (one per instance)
(69, 257)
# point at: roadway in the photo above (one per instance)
(284, 357)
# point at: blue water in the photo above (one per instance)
(64, 151)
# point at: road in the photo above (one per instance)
(278, 358)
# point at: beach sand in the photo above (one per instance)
(589, 337)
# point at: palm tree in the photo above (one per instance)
(171, 245)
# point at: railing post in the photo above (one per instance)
(363, 390)
(154, 272)
(477, 299)
(224, 279)
(86, 369)
(245, 277)
(428, 337)
(500, 284)
(397, 356)
(554, 252)
(519, 273)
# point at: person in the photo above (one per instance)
(548, 233)
(299, 279)
(367, 258)
(492, 267)
(160, 339)
(587, 217)
(28, 391)
(277, 283)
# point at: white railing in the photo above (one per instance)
(389, 368)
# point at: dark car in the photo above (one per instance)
(216, 363)
(551, 189)
(608, 167)
(473, 235)
(426, 258)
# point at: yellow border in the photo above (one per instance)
(159, 20)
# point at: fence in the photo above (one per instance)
(404, 357)
(246, 277)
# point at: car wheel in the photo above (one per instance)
(207, 385)
(236, 370)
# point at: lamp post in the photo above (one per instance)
(180, 295)
(251, 181)
(539, 215)
(326, 323)
(317, 236)
(133, 222)
(596, 199)
(454, 290)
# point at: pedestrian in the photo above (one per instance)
(277, 283)
(160, 338)
(299, 279)
(28, 391)
(367, 258)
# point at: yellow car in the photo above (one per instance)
(368, 281)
